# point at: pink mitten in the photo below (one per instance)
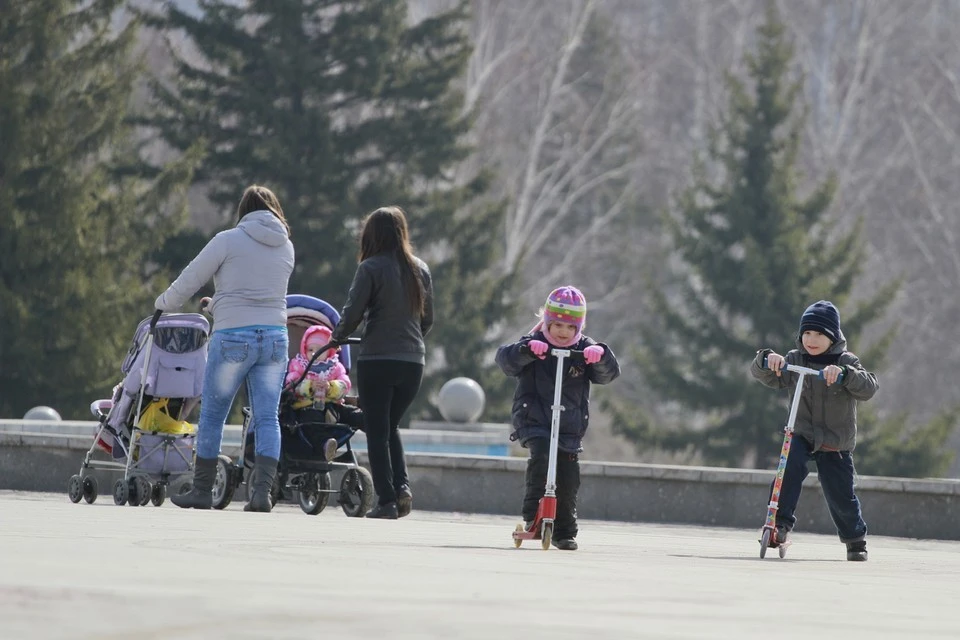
(592, 354)
(538, 348)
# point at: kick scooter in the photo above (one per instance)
(768, 533)
(542, 526)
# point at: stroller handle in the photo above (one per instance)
(807, 371)
(155, 319)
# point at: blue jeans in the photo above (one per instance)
(835, 472)
(259, 356)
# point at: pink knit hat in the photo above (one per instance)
(317, 335)
(567, 305)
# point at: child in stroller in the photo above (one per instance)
(317, 419)
(143, 425)
(315, 380)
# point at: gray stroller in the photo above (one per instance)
(143, 426)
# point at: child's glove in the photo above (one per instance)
(336, 390)
(538, 348)
(305, 389)
(592, 354)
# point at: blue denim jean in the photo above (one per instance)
(835, 471)
(259, 356)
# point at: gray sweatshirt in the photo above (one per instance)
(250, 266)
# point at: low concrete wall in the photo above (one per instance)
(610, 491)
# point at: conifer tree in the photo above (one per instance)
(78, 214)
(753, 254)
(342, 107)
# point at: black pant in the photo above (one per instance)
(386, 389)
(568, 484)
(835, 472)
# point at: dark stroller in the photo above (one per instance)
(142, 427)
(304, 469)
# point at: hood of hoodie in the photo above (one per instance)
(264, 227)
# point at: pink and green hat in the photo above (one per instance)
(567, 305)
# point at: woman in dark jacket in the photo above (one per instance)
(392, 293)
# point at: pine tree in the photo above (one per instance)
(754, 255)
(78, 217)
(342, 107)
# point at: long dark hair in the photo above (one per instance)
(385, 230)
(257, 198)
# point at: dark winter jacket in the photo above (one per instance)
(535, 387)
(377, 297)
(827, 416)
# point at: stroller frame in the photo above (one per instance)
(308, 480)
(138, 485)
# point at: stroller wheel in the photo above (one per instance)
(133, 491)
(356, 492)
(144, 491)
(223, 484)
(313, 493)
(74, 489)
(91, 489)
(120, 492)
(158, 495)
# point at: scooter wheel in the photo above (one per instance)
(764, 542)
(518, 541)
(547, 535)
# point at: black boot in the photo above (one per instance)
(201, 495)
(264, 473)
(857, 551)
(384, 511)
(404, 501)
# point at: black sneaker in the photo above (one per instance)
(384, 511)
(780, 536)
(404, 501)
(857, 551)
(566, 544)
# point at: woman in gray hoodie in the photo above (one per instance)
(250, 266)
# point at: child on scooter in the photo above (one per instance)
(826, 425)
(561, 325)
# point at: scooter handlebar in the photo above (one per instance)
(804, 370)
(575, 355)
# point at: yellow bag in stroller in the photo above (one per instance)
(156, 417)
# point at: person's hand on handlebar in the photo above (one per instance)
(775, 362)
(592, 354)
(831, 373)
(538, 348)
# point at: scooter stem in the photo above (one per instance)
(551, 488)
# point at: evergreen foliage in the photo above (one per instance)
(341, 107)
(753, 255)
(78, 215)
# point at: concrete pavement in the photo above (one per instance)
(102, 571)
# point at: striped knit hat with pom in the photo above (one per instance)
(567, 305)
